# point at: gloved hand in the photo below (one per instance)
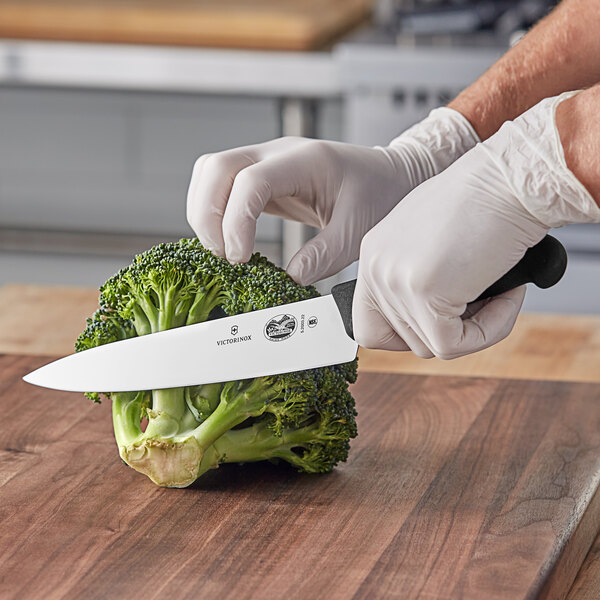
(458, 233)
(340, 188)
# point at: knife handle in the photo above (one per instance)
(543, 264)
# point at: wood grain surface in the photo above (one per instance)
(541, 346)
(456, 488)
(587, 583)
(38, 319)
(267, 24)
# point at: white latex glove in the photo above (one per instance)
(340, 188)
(458, 233)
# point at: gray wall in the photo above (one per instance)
(114, 164)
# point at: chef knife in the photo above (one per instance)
(292, 337)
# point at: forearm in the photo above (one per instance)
(579, 129)
(560, 53)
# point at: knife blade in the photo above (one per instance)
(292, 337)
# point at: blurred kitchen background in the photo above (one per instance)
(106, 104)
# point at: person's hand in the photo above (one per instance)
(340, 188)
(458, 233)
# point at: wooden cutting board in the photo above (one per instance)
(456, 488)
(269, 24)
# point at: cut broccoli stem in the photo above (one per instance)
(167, 462)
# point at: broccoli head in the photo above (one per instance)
(173, 436)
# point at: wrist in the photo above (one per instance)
(500, 95)
(579, 131)
(529, 154)
(486, 110)
(430, 146)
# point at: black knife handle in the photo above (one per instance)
(543, 264)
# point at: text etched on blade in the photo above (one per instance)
(235, 340)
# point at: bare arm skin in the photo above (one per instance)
(562, 52)
(579, 128)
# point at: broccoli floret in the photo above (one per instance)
(305, 418)
(104, 326)
(260, 284)
(168, 286)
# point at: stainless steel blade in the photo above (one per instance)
(292, 337)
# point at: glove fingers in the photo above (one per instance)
(380, 336)
(213, 239)
(371, 329)
(209, 190)
(473, 308)
(491, 324)
(324, 255)
(281, 177)
(210, 187)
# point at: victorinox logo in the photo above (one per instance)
(234, 340)
(280, 328)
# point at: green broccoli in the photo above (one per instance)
(306, 418)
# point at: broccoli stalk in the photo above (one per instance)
(178, 445)
(257, 442)
(305, 418)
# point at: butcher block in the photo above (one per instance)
(267, 24)
(456, 487)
